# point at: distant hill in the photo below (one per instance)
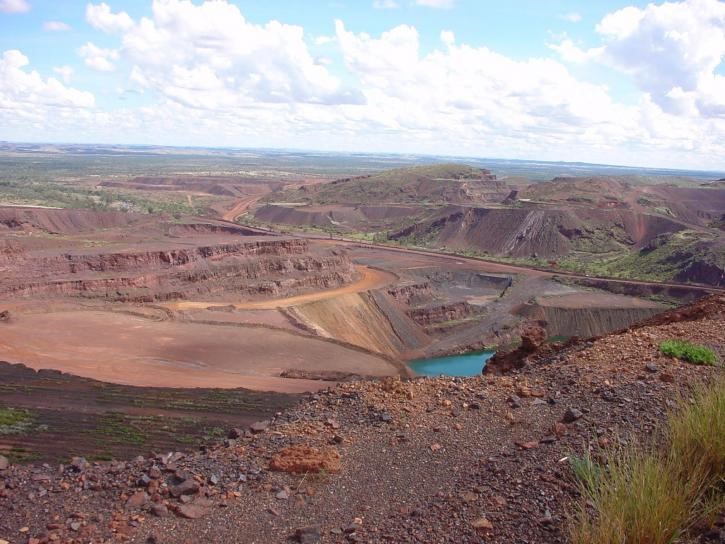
(438, 183)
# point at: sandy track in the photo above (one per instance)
(370, 278)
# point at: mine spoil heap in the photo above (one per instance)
(422, 460)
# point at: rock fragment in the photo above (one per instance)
(571, 415)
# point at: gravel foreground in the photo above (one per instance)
(428, 460)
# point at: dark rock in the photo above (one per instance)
(187, 487)
(515, 401)
(571, 415)
(235, 434)
(307, 535)
(651, 367)
(159, 510)
(78, 464)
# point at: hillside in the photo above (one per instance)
(622, 226)
(439, 183)
(691, 204)
(425, 460)
(534, 233)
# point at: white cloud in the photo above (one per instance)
(571, 52)
(671, 51)
(209, 56)
(440, 4)
(572, 17)
(448, 37)
(385, 4)
(65, 72)
(100, 16)
(98, 58)
(29, 93)
(56, 26)
(14, 6)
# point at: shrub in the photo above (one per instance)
(654, 495)
(693, 353)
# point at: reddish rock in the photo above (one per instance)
(302, 458)
(137, 500)
(195, 510)
(187, 487)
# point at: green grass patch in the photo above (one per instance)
(686, 351)
(656, 495)
(118, 429)
(15, 421)
(19, 456)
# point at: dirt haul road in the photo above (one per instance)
(370, 278)
(239, 208)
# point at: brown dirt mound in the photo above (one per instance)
(62, 221)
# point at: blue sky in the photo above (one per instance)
(615, 82)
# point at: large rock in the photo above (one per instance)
(302, 459)
(533, 337)
(195, 510)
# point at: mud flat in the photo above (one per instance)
(126, 349)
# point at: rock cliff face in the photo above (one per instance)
(587, 318)
(441, 313)
(411, 293)
(251, 267)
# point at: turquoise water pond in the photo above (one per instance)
(469, 364)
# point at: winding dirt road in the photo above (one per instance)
(370, 278)
(240, 207)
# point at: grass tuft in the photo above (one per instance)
(655, 495)
(693, 353)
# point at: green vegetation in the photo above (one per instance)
(692, 353)
(15, 421)
(671, 255)
(64, 195)
(117, 428)
(655, 495)
(17, 455)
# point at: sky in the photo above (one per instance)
(615, 82)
